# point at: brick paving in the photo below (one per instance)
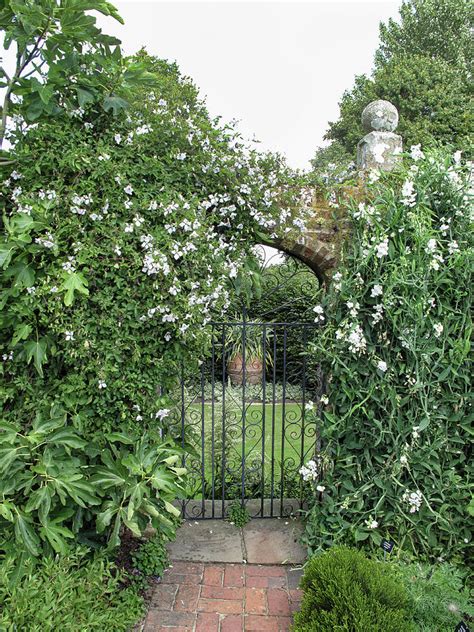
(199, 597)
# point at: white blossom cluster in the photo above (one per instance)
(414, 500)
(310, 471)
(352, 333)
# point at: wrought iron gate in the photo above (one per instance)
(250, 419)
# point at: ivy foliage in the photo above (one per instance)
(396, 348)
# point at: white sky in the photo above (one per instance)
(278, 67)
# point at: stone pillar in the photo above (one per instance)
(380, 148)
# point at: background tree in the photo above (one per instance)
(422, 66)
(60, 58)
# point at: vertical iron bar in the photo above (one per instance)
(223, 463)
(244, 342)
(264, 384)
(183, 424)
(303, 410)
(213, 359)
(203, 440)
(283, 413)
(273, 421)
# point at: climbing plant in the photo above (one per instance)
(395, 345)
(120, 231)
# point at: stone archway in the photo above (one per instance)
(379, 150)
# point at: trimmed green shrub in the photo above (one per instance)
(440, 599)
(67, 593)
(345, 591)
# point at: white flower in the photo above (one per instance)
(437, 259)
(382, 248)
(415, 432)
(377, 290)
(414, 500)
(430, 246)
(128, 189)
(181, 156)
(309, 406)
(456, 157)
(310, 471)
(31, 290)
(128, 228)
(118, 139)
(403, 460)
(377, 314)
(453, 247)
(54, 289)
(382, 366)
(320, 488)
(438, 327)
(69, 266)
(416, 153)
(408, 193)
(102, 384)
(69, 335)
(324, 400)
(162, 413)
(117, 250)
(371, 523)
(318, 310)
(374, 175)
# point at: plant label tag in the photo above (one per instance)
(387, 545)
(461, 627)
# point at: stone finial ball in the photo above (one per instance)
(380, 116)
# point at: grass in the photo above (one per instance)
(260, 420)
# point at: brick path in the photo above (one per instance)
(200, 597)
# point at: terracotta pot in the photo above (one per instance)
(253, 370)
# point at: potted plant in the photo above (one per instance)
(250, 340)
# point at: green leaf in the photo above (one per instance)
(67, 437)
(25, 533)
(75, 282)
(6, 512)
(37, 351)
(24, 275)
(7, 456)
(21, 333)
(84, 96)
(119, 437)
(55, 536)
(114, 103)
(104, 478)
(172, 509)
(104, 518)
(6, 252)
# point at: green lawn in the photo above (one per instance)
(259, 420)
